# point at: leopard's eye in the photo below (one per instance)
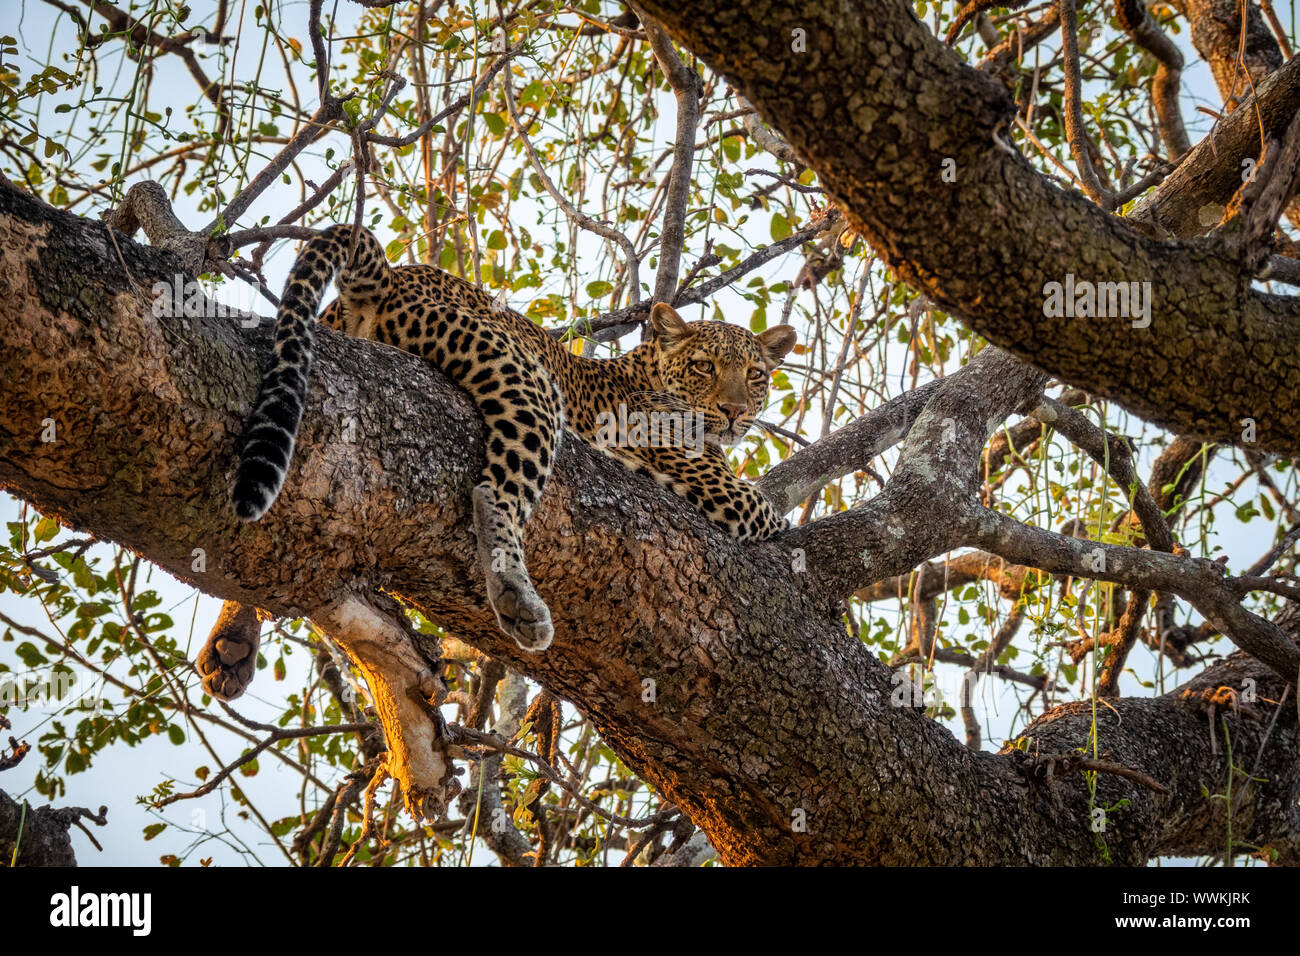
(703, 366)
(757, 375)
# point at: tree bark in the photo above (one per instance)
(1237, 62)
(1192, 200)
(44, 838)
(41, 835)
(770, 727)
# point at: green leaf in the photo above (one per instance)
(533, 94)
(153, 829)
(82, 576)
(29, 655)
(780, 227)
(495, 123)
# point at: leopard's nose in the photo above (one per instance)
(732, 411)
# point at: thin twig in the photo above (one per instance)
(1075, 131)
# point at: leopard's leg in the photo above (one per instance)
(524, 415)
(706, 481)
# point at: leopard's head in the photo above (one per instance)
(715, 370)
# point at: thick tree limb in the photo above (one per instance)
(1191, 200)
(986, 246)
(848, 449)
(923, 509)
(1240, 54)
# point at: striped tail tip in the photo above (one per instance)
(256, 487)
(249, 510)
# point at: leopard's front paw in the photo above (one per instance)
(521, 613)
(227, 661)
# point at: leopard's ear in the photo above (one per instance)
(776, 342)
(668, 327)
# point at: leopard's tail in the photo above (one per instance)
(273, 426)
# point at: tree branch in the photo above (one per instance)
(685, 84)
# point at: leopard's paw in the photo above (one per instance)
(229, 658)
(521, 613)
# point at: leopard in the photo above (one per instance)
(706, 381)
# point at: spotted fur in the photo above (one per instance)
(529, 388)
